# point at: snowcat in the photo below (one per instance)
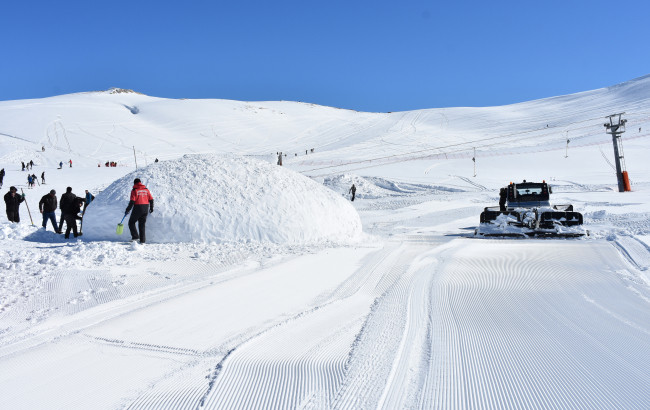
(525, 211)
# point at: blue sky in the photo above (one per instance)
(364, 55)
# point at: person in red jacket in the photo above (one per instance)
(142, 203)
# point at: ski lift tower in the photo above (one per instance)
(616, 127)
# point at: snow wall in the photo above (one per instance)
(207, 198)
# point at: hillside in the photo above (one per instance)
(95, 127)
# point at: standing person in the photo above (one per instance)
(280, 159)
(34, 180)
(60, 164)
(12, 202)
(23, 162)
(47, 206)
(68, 214)
(70, 163)
(353, 190)
(43, 177)
(89, 199)
(141, 201)
(31, 164)
(29, 180)
(2, 176)
(503, 193)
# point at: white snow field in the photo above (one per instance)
(265, 287)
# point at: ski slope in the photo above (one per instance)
(414, 312)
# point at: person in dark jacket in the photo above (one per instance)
(12, 201)
(2, 176)
(43, 177)
(69, 213)
(47, 206)
(353, 191)
(141, 201)
(503, 194)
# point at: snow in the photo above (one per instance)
(211, 198)
(265, 287)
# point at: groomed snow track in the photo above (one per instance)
(463, 324)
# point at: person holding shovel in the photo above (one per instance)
(13, 201)
(141, 201)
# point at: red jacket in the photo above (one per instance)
(140, 195)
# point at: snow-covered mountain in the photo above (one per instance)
(257, 290)
(95, 127)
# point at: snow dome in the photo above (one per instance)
(225, 198)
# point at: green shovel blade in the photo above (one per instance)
(120, 229)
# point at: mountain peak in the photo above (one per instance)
(116, 90)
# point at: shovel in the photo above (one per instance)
(120, 226)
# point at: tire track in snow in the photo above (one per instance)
(303, 361)
(370, 365)
(225, 389)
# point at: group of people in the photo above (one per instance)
(279, 154)
(110, 164)
(32, 179)
(70, 206)
(27, 165)
(140, 205)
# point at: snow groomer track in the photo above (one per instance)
(471, 324)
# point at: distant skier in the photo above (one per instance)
(70, 163)
(43, 177)
(12, 202)
(2, 176)
(503, 193)
(47, 206)
(31, 164)
(141, 201)
(156, 161)
(60, 165)
(353, 191)
(280, 159)
(29, 180)
(68, 213)
(23, 162)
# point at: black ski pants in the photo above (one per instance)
(13, 216)
(139, 215)
(70, 223)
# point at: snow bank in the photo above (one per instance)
(369, 187)
(231, 198)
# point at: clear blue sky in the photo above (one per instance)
(365, 55)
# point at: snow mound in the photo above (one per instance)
(376, 187)
(209, 198)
